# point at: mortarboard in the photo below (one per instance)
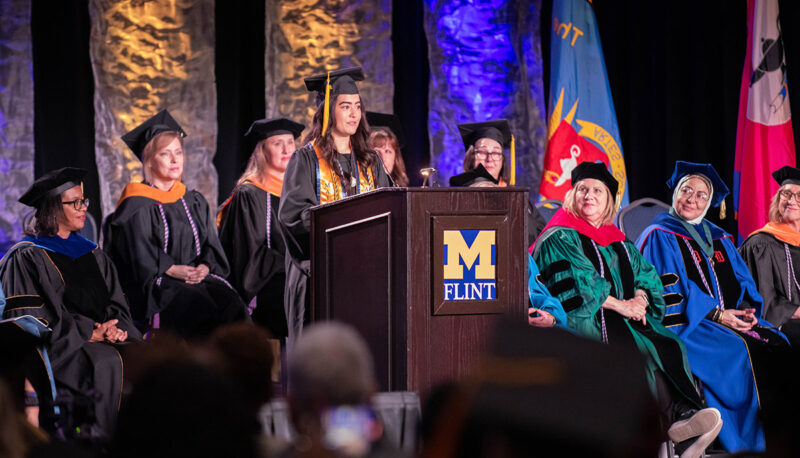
(389, 121)
(683, 168)
(265, 128)
(787, 175)
(470, 177)
(597, 171)
(52, 183)
(138, 138)
(332, 83)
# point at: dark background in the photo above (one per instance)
(674, 67)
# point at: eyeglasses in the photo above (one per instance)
(689, 192)
(786, 194)
(77, 203)
(483, 154)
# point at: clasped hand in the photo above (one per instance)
(189, 274)
(108, 332)
(740, 320)
(634, 309)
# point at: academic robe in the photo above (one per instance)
(541, 298)
(590, 264)
(152, 230)
(719, 356)
(305, 185)
(69, 285)
(765, 256)
(251, 236)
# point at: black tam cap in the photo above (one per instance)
(787, 175)
(343, 81)
(52, 183)
(597, 171)
(497, 130)
(138, 138)
(471, 177)
(387, 121)
(265, 128)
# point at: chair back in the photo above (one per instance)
(634, 218)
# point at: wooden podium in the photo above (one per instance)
(422, 274)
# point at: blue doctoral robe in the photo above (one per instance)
(717, 355)
(541, 298)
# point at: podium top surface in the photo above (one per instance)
(367, 194)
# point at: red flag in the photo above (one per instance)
(565, 150)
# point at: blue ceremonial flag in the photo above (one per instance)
(582, 124)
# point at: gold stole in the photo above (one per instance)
(330, 188)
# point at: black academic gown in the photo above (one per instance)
(257, 261)
(765, 256)
(299, 194)
(139, 229)
(69, 296)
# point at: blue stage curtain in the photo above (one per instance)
(486, 63)
(147, 56)
(16, 116)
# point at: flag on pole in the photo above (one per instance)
(582, 125)
(764, 139)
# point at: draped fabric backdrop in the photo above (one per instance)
(16, 115)
(147, 56)
(305, 37)
(485, 60)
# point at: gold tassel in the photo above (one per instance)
(722, 212)
(326, 112)
(513, 163)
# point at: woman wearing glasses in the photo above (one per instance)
(773, 255)
(165, 243)
(63, 280)
(713, 303)
(485, 142)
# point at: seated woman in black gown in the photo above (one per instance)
(248, 222)
(63, 280)
(335, 163)
(164, 241)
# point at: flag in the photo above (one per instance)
(588, 131)
(764, 139)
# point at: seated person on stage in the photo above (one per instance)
(485, 142)
(165, 243)
(772, 252)
(335, 162)
(612, 294)
(249, 230)
(385, 137)
(332, 383)
(715, 306)
(70, 285)
(545, 311)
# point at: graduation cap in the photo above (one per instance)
(265, 128)
(52, 183)
(787, 175)
(597, 171)
(683, 168)
(471, 177)
(497, 130)
(388, 121)
(138, 138)
(332, 83)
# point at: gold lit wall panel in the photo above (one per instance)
(148, 55)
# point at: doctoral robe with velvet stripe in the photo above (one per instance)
(582, 291)
(718, 355)
(70, 295)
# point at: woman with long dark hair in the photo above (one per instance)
(164, 241)
(336, 162)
